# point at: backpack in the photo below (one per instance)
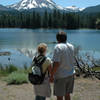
(36, 77)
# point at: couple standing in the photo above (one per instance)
(61, 72)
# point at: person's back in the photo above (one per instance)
(65, 58)
(43, 90)
(63, 67)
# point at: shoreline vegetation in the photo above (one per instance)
(86, 66)
(15, 75)
(55, 19)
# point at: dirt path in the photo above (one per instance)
(85, 89)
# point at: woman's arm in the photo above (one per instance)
(50, 69)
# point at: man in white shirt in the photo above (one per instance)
(63, 68)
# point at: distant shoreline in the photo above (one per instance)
(5, 53)
(48, 28)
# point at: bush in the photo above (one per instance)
(17, 77)
(6, 70)
(96, 68)
(11, 68)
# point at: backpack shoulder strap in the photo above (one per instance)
(43, 60)
(41, 63)
(39, 60)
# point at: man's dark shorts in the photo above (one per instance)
(63, 86)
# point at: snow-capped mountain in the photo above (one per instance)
(74, 9)
(34, 4)
(41, 5)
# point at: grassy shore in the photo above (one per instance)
(14, 75)
(14, 85)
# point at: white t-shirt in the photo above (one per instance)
(64, 54)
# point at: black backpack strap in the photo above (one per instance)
(39, 60)
(43, 60)
(41, 63)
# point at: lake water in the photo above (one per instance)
(88, 40)
(28, 38)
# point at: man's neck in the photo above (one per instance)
(61, 42)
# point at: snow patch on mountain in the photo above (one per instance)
(42, 5)
(74, 9)
(81, 9)
(29, 4)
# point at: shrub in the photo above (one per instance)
(6, 70)
(96, 68)
(17, 77)
(11, 68)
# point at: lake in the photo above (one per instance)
(14, 38)
(28, 38)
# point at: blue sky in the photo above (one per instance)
(64, 3)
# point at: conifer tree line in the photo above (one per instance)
(56, 19)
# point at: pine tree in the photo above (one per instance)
(50, 22)
(45, 20)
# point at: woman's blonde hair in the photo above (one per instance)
(42, 47)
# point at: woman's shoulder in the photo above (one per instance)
(48, 60)
(47, 63)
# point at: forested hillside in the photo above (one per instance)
(56, 19)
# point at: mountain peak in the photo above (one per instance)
(42, 5)
(29, 4)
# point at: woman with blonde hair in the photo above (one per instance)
(43, 90)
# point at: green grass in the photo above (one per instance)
(6, 70)
(17, 77)
(14, 75)
(96, 68)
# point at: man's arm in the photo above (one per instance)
(56, 60)
(55, 67)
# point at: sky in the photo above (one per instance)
(63, 3)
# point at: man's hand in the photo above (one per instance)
(55, 67)
(51, 79)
